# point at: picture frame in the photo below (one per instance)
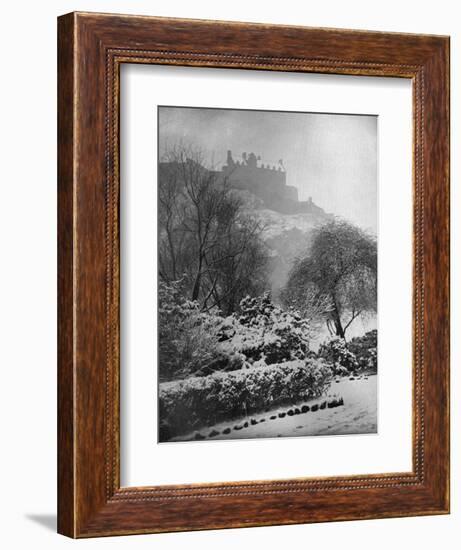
(91, 49)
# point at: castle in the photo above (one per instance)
(268, 182)
(264, 181)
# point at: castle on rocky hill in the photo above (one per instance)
(268, 182)
(264, 181)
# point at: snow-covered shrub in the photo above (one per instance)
(187, 337)
(185, 405)
(261, 331)
(336, 352)
(360, 353)
(197, 343)
(224, 361)
(365, 349)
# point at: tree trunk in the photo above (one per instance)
(339, 329)
(196, 289)
(198, 280)
(340, 332)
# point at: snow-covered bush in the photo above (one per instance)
(263, 332)
(360, 353)
(336, 352)
(197, 343)
(187, 337)
(185, 405)
(365, 349)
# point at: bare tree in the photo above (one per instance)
(238, 264)
(308, 301)
(172, 244)
(341, 266)
(203, 232)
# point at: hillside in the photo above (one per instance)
(286, 235)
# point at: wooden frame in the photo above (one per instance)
(91, 49)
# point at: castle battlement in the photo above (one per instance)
(250, 161)
(264, 180)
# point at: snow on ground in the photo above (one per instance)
(358, 415)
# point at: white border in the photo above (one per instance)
(143, 461)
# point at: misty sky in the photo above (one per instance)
(332, 158)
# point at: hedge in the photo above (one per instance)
(196, 402)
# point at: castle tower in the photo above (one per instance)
(230, 160)
(251, 161)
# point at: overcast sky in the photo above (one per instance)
(332, 158)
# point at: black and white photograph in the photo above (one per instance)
(267, 274)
